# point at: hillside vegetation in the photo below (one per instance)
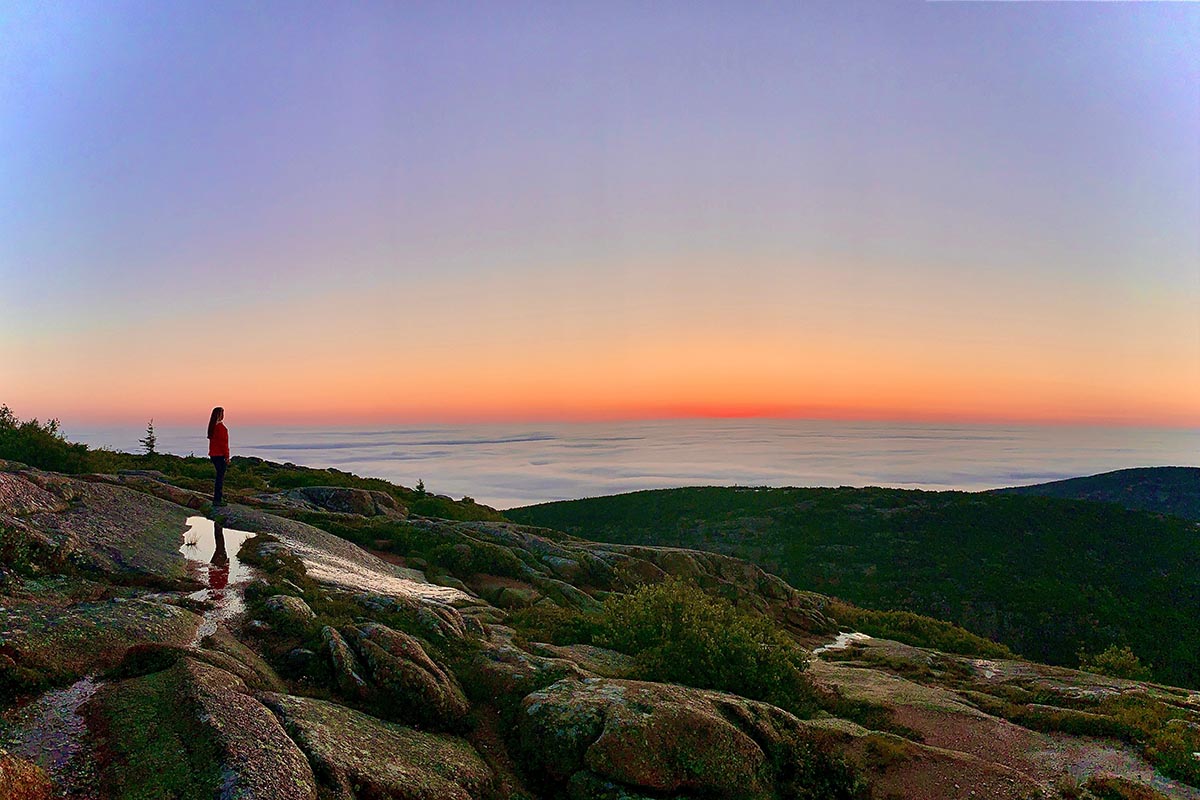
(1049, 578)
(1167, 490)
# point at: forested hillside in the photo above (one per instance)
(1046, 577)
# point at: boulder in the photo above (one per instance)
(358, 756)
(503, 669)
(666, 739)
(288, 610)
(347, 672)
(409, 685)
(194, 731)
(258, 757)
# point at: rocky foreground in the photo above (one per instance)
(136, 662)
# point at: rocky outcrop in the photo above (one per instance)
(153, 482)
(286, 609)
(358, 756)
(659, 738)
(343, 500)
(448, 693)
(504, 669)
(20, 780)
(739, 581)
(258, 757)
(62, 642)
(403, 682)
(347, 671)
(194, 730)
(532, 565)
(61, 524)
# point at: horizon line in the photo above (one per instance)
(323, 420)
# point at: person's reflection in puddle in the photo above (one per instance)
(218, 570)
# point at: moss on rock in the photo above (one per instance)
(356, 755)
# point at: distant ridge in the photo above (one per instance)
(1166, 490)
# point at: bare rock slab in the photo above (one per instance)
(359, 756)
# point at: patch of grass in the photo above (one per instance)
(871, 716)
(884, 751)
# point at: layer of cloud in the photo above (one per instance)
(511, 465)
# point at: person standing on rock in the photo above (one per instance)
(218, 451)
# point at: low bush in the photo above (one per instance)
(917, 630)
(1116, 662)
(678, 634)
(39, 444)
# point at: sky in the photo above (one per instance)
(317, 213)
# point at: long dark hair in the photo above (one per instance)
(212, 420)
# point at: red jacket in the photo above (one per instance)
(218, 445)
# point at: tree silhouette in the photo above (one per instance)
(149, 441)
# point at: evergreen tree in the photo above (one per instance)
(150, 441)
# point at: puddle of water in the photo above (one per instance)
(842, 641)
(51, 733)
(333, 569)
(211, 550)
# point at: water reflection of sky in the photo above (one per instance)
(212, 553)
(512, 464)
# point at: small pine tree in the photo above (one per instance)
(1117, 661)
(420, 487)
(149, 441)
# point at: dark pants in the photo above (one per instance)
(219, 463)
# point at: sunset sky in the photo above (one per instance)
(312, 212)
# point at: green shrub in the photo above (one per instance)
(679, 634)
(557, 625)
(1117, 662)
(473, 558)
(39, 444)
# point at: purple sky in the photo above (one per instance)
(519, 185)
